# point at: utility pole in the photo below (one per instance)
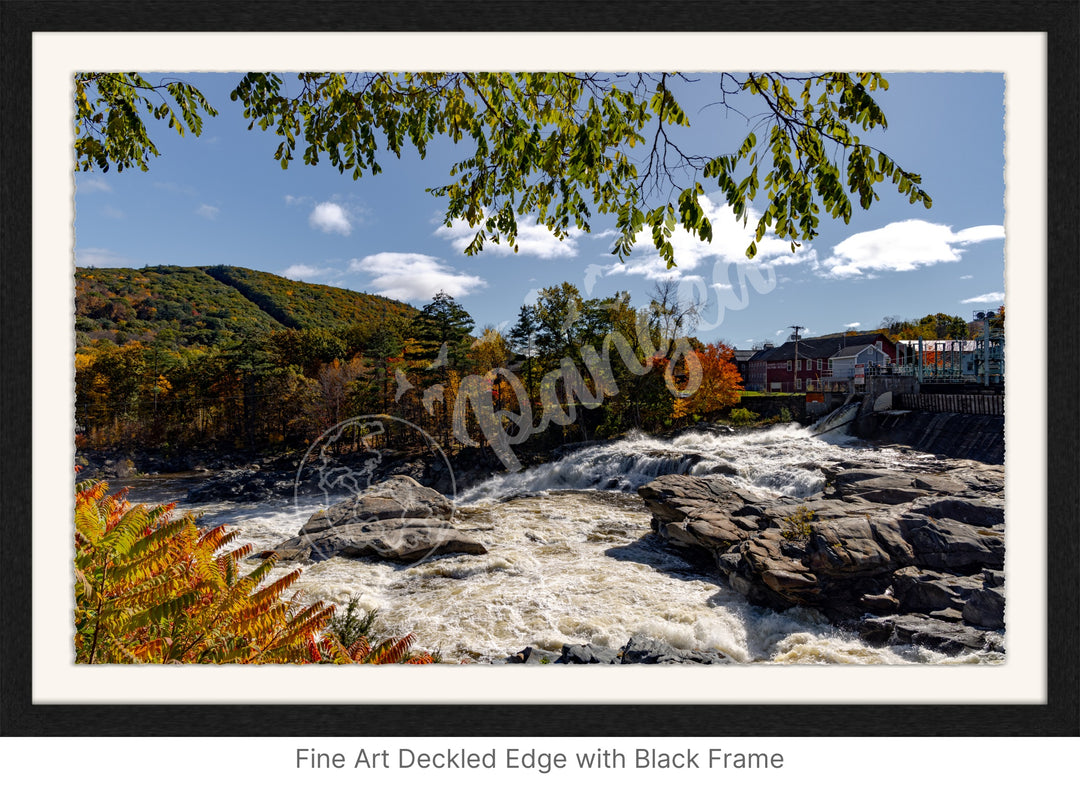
(795, 334)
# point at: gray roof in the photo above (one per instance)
(827, 346)
(852, 351)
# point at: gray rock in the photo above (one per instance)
(587, 655)
(986, 608)
(532, 656)
(375, 533)
(845, 547)
(947, 545)
(929, 545)
(714, 532)
(948, 614)
(674, 498)
(922, 630)
(881, 603)
(649, 651)
(919, 590)
(980, 512)
(891, 488)
(398, 497)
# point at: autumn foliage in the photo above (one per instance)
(580, 368)
(720, 385)
(151, 588)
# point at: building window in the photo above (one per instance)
(789, 365)
(798, 384)
(830, 363)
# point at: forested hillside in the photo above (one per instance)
(205, 306)
(229, 359)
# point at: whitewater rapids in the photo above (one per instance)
(572, 559)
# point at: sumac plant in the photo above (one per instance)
(154, 588)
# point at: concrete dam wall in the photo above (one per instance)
(962, 436)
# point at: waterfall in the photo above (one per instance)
(783, 459)
(838, 418)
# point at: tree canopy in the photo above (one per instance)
(933, 326)
(557, 146)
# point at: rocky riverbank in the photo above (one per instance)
(897, 557)
(639, 650)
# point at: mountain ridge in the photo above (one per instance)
(206, 305)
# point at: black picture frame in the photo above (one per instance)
(20, 716)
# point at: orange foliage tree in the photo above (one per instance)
(720, 385)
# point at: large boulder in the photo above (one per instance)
(398, 497)
(397, 520)
(403, 540)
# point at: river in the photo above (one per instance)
(572, 559)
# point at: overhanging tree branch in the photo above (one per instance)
(553, 145)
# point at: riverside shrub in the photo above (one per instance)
(150, 588)
(741, 416)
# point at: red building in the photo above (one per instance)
(783, 369)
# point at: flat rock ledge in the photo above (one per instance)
(397, 520)
(899, 557)
(639, 650)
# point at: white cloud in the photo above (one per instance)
(306, 272)
(113, 213)
(207, 211)
(966, 277)
(92, 184)
(100, 257)
(995, 297)
(330, 218)
(730, 240)
(852, 325)
(292, 200)
(532, 239)
(980, 233)
(414, 276)
(902, 247)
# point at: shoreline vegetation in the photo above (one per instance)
(154, 589)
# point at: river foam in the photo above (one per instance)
(572, 558)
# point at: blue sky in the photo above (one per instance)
(222, 199)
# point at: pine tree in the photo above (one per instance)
(522, 337)
(443, 321)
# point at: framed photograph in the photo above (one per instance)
(629, 338)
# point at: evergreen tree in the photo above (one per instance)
(443, 322)
(522, 337)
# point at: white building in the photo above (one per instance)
(842, 364)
